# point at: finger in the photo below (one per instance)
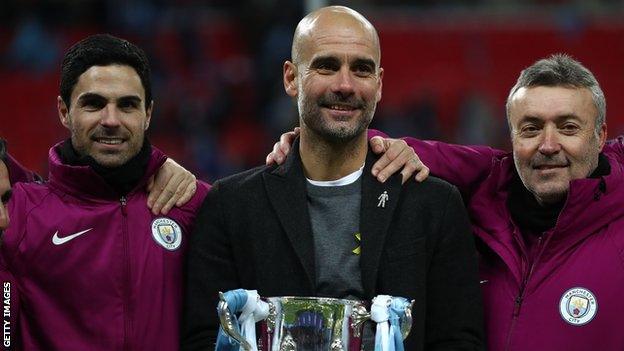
(152, 193)
(172, 201)
(190, 189)
(377, 144)
(381, 163)
(286, 141)
(392, 152)
(167, 192)
(422, 174)
(274, 156)
(398, 159)
(414, 165)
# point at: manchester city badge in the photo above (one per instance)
(167, 233)
(578, 306)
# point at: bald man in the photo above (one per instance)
(320, 224)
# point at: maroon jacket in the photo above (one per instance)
(570, 298)
(88, 270)
(19, 173)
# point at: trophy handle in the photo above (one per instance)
(359, 315)
(406, 320)
(227, 323)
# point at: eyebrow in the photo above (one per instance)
(324, 59)
(333, 60)
(90, 96)
(364, 61)
(96, 96)
(130, 98)
(558, 119)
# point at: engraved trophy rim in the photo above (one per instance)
(319, 299)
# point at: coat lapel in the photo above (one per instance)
(286, 189)
(375, 220)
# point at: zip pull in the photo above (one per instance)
(123, 203)
(517, 305)
(600, 190)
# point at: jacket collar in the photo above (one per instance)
(83, 182)
(286, 189)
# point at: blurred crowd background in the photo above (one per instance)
(217, 65)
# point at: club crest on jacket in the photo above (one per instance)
(167, 233)
(578, 306)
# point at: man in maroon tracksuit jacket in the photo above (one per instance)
(85, 264)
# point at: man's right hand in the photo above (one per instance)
(282, 147)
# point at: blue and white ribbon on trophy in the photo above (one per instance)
(251, 309)
(387, 312)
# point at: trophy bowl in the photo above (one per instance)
(307, 324)
(313, 324)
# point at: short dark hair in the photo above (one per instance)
(561, 70)
(103, 50)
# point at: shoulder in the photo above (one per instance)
(432, 188)
(29, 195)
(26, 199)
(247, 180)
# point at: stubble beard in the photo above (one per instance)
(312, 116)
(108, 160)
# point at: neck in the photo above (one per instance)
(326, 160)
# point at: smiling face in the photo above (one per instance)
(335, 75)
(554, 138)
(108, 118)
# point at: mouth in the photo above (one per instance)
(341, 107)
(549, 167)
(108, 141)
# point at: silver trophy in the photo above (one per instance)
(308, 324)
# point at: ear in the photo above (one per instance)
(63, 112)
(381, 72)
(148, 114)
(602, 135)
(290, 78)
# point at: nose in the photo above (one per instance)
(550, 142)
(110, 116)
(344, 82)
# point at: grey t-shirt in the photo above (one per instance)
(335, 217)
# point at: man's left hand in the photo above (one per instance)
(172, 185)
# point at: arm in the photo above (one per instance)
(401, 157)
(209, 268)
(463, 166)
(454, 308)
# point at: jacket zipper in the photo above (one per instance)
(126, 283)
(520, 298)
